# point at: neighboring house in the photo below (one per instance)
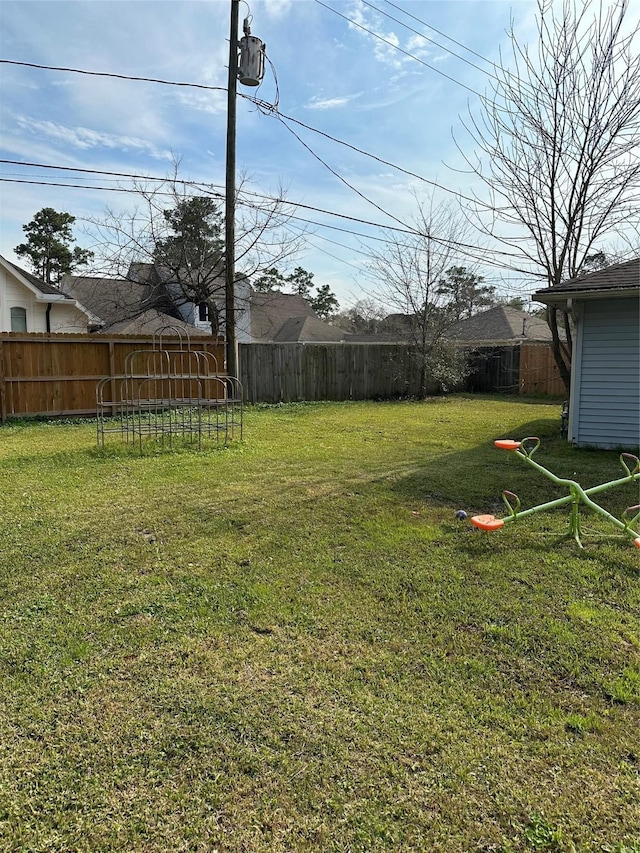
(604, 406)
(152, 321)
(28, 304)
(500, 325)
(114, 301)
(146, 300)
(287, 317)
(129, 305)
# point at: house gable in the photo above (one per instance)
(26, 301)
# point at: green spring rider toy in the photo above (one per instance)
(524, 450)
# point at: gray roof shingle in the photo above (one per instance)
(115, 301)
(502, 323)
(270, 311)
(617, 277)
(41, 285)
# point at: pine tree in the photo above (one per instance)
(48, 245)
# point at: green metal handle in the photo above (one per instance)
(636, 463)
(529, 445)
(512, 508)
(630, 519)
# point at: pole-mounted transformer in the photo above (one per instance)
(251, 63)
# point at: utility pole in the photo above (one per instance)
(230, 198)
(250, 70)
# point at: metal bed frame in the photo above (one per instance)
(170, 390)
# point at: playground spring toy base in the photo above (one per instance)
(577, 495)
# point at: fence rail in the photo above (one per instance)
(274, 373)
(54, 374)
(539, 372)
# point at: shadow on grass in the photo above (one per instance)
(474, 479)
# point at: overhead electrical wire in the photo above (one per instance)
(473, 252)
(335, 257)
(391, 44)
(517, 80)
(203, 187)
(209, 189)
(344, 180)
(266, 107)
(400, 49)
(281, 116)
(444, 35)
(112, 74)
(427, 38)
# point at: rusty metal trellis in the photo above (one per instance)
(169, 390)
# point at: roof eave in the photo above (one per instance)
(555, 296)
(52, 297)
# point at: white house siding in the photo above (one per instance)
(64, 318)
(606, 392)
(14, 294)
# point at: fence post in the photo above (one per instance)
(3, 388)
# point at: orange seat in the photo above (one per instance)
(507, 444)
(487, 522)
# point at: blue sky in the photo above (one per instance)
(330, 75)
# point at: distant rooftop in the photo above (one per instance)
(502, 323)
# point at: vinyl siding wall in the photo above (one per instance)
(606, 383)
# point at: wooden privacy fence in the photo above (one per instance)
(56, 374)
(539, 372)
(527, 368)
(274, 373)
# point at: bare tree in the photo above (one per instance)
(364, 317)
(407, 276)
(173, 240)
(556, 145)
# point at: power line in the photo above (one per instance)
(490, 62)
(335, 257)
(274, 111)
(344, 180)
(198, 185)
(205, 188)
(264, 106)
(427, 38)
(286, 118)
(466, 250)
(397, 47)
(440, 33)
(6, 180)
(112, 74)
(482, 97)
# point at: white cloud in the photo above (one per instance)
(276, 8)
(205, 102)
(85, 138)
(318, 103)
(387, 47)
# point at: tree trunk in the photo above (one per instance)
(561, 353)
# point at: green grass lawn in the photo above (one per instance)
(291, 644)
